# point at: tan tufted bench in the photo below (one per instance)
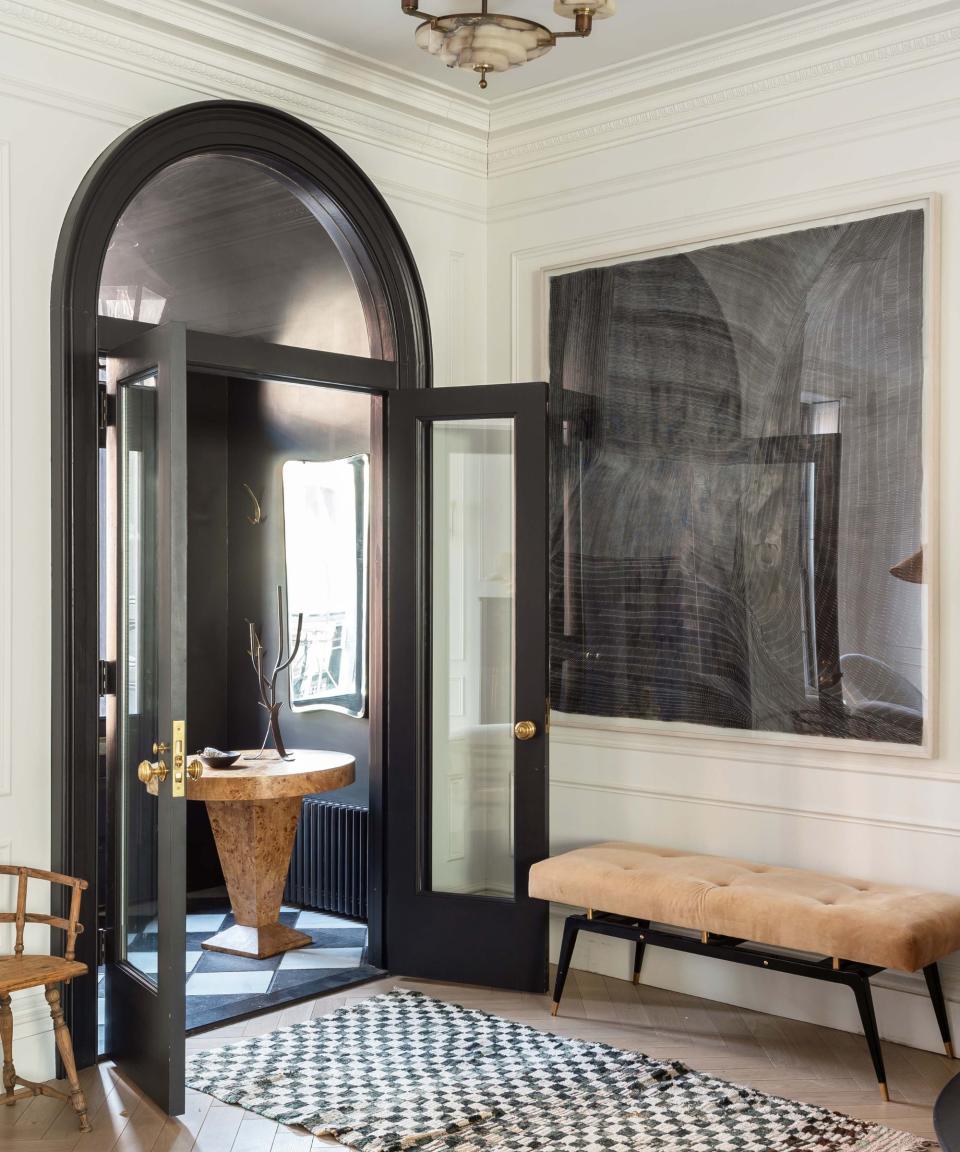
(856, 927)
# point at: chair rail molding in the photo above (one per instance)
(6, 483)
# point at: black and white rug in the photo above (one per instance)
(403, 1070)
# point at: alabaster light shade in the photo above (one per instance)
(493, 42)
(601, 8)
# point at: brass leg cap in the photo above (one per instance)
(555, 1008)
(884, 1094)
(636, 977)
(948, 1048)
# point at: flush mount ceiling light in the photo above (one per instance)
(487, 41)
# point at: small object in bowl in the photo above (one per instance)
(214, 758)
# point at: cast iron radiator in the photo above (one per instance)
(328, 869)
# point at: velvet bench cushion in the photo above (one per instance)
(887, 925)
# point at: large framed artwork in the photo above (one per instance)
(741, 485)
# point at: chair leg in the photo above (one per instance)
(932, 976)
(65, 1048)
(6, 1035)
(638, 953)
(570, 930)
(861, 989)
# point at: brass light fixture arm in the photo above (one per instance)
(584, 19)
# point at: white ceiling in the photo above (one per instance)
(379, 29)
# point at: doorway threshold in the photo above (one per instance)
(202, 1017)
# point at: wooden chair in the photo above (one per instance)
(21, 971)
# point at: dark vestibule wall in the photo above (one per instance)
(241, 432)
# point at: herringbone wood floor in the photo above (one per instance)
(780, 1056)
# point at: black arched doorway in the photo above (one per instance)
(323, 179)
(455, 572)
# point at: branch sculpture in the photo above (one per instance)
(268, 688)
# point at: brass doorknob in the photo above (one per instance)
(160, 748)
(194, 770)
(525, 730)
(147, 771)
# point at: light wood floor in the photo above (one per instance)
(780, 1056)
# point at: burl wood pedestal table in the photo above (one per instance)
(254, 808)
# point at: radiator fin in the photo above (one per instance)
(328, 869)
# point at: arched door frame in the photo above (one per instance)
(383, 265)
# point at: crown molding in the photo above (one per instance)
(783, 60)
(199, 44)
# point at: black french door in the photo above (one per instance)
(467, 683)
(462, 788)
(147, 637)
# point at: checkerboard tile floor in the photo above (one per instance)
(220, 986)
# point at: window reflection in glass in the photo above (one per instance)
(326, 516)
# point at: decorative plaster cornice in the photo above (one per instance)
(117, 38)
(201, 42)
(650, 114)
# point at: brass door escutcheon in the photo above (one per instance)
(525, 730)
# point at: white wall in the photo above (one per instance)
(72, 78)
(675, 154)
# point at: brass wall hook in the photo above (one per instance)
(258, 516)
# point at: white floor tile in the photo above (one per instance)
(228, 983)
(321, 958)
(322, 920)
(197, 922)
(148, 962)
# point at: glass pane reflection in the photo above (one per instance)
(225, 244)
(137, 689)
(472, 640)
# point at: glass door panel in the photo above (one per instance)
(138, 705)
(473, 607)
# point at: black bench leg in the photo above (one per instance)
(932, 976)
(861, 989)
(638, 954)
(570, 930)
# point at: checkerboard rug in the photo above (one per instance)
(403, 1070)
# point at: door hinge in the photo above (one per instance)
(101, 946)
(107, 678)
(108, 409)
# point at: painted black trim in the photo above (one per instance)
(396, 305)
(466, 938)
(855, 976)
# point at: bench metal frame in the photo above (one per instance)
(833, 969)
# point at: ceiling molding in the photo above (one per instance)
(777, 38)
(647, 98)
(198, 44)
(726, 160)
(332, 89)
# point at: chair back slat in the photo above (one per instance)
(71, 925)
(21, 910)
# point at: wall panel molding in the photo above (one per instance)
(792, 813)
(6, 481)
(699, 166)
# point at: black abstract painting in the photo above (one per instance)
(736, 484)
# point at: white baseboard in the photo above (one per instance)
(904, 1012)
(33, 1047)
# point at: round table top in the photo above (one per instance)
(256, 777)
